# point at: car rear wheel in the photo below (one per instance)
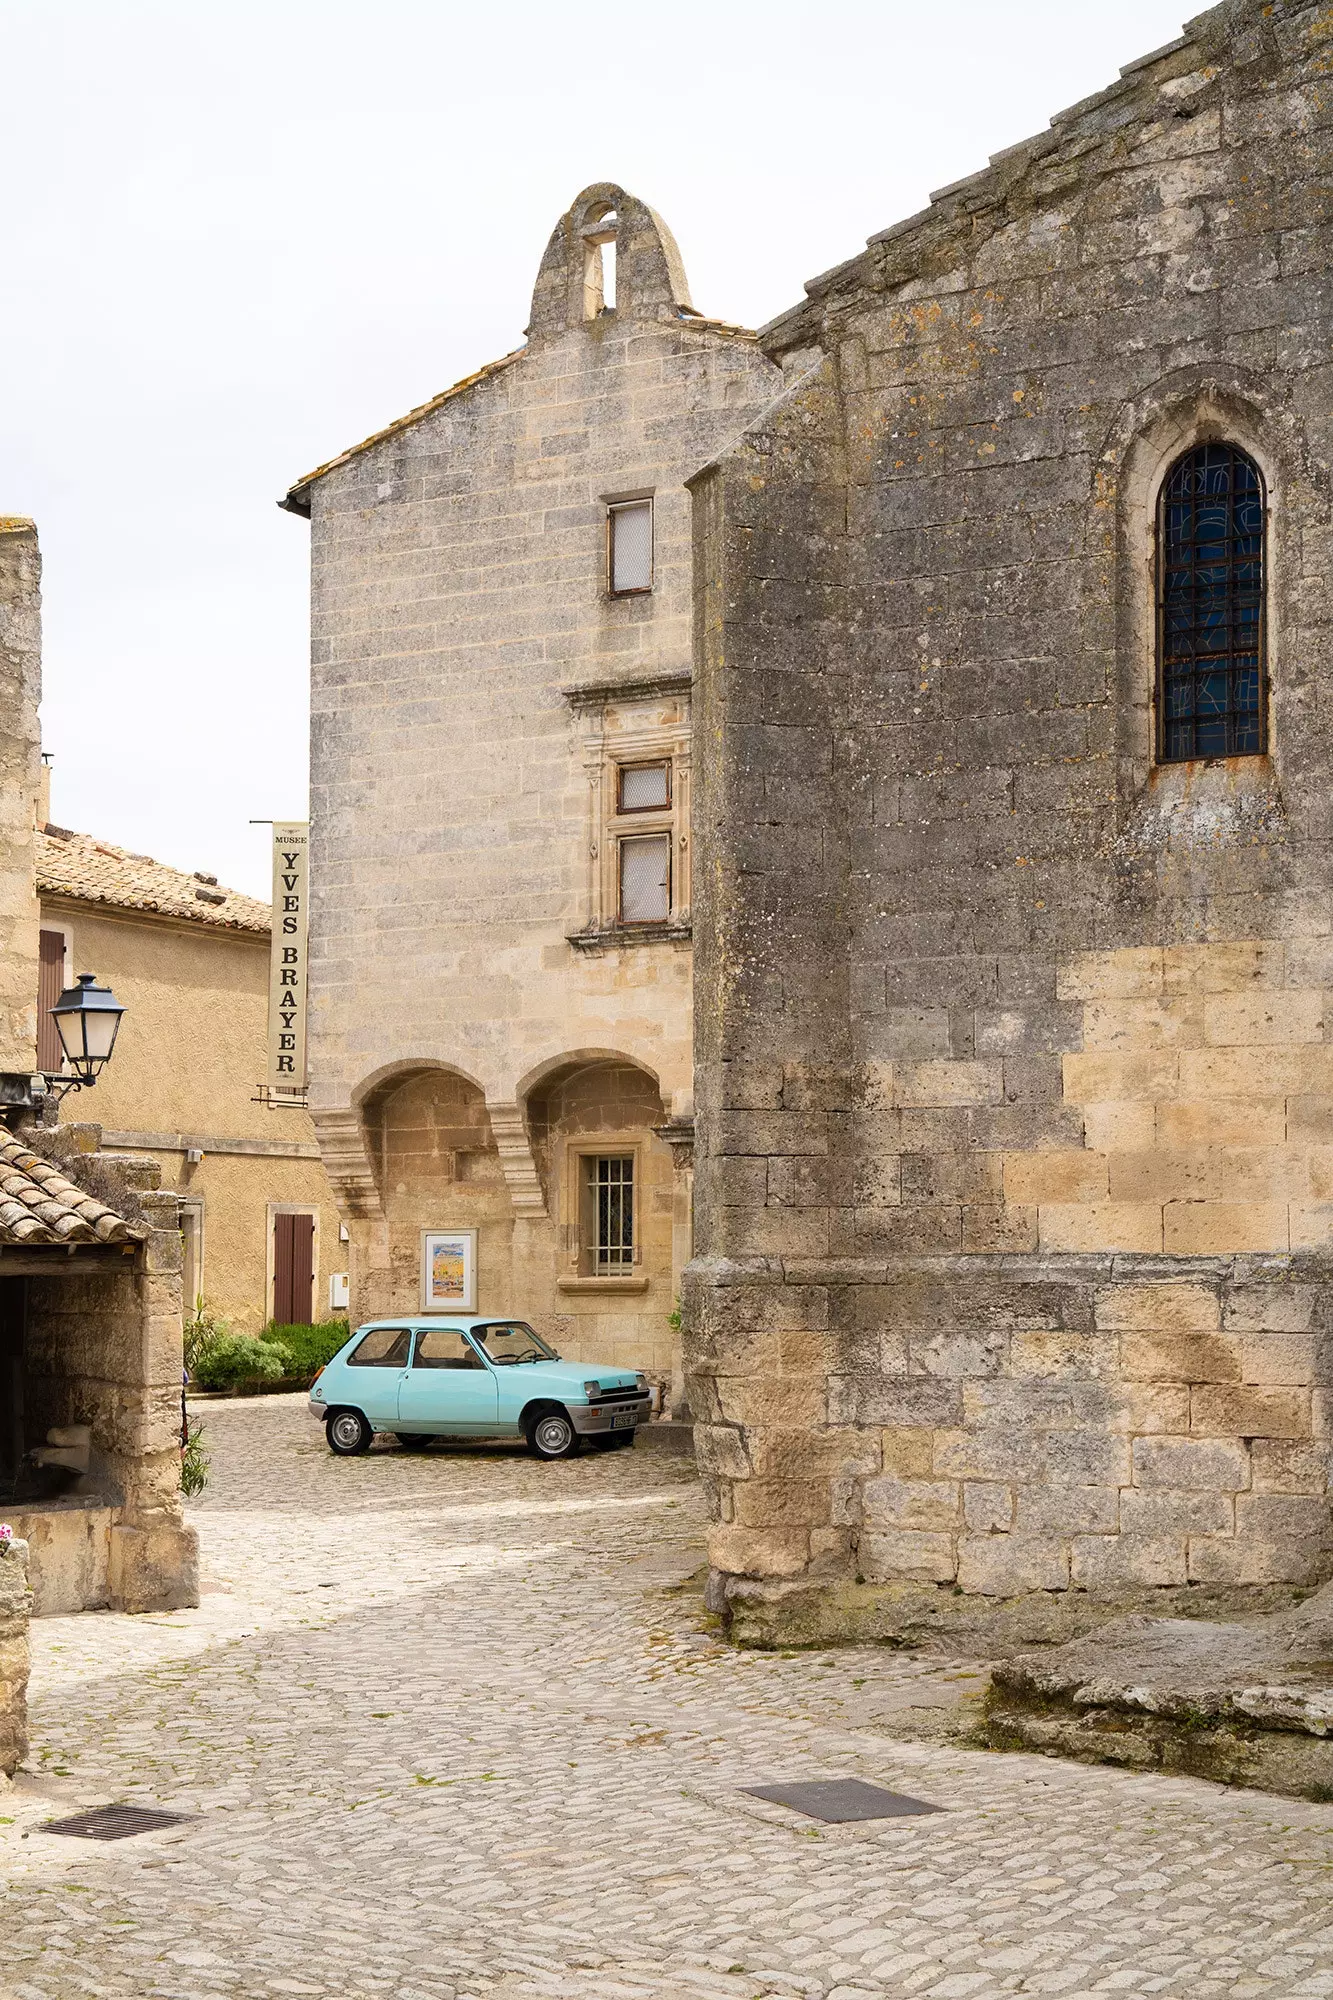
(348, 1433)
(551, 1434)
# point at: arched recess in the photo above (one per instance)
(606, 1177)
(427, 1128)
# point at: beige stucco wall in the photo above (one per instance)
(190, 1053)
(459, 796)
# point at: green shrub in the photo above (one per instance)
(308, 1347)
(194, 1462)
(236, 1357)
(203, 1329)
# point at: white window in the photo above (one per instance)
(630, 547)
(645, 878)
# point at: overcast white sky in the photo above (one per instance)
(237, 238)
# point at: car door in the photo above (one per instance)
(374, 1369)
(448, 1390)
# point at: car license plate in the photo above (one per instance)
(625, 1421)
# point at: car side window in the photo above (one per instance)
(444, 1347)
(383, 1347)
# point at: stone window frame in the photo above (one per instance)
(623, 726)
(579, 1274)
(1136, 462)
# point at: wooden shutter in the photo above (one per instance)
(293, 1268)
(50, 980)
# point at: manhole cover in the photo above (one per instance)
(113, 1822)
(840, 1799)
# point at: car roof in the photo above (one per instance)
(404, 1323)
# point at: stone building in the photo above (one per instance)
(500, 1028)
(90, 1253)
(1014, 953)
(190, 961)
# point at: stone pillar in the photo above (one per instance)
(20, 780)
(678, 1133)
(15, 1608)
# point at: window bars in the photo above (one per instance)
(611, 1184)
(1211, 607)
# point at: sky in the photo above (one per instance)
(236, 239)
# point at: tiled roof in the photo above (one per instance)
(74, 864)
(38, 1204)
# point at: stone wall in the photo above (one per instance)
(475, 683)
(14, 1610)
(1014, 1050)
(20, 768)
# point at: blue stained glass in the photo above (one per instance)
(1211, 570)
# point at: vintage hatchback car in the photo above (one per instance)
(472, 1377)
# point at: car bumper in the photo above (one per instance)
(589, 1419)
(317, 1408)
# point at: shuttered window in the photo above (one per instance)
(50, 980)
(630, 540)
(645, 879)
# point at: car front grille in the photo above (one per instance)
(632, 1395)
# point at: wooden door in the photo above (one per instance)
(293, 1268)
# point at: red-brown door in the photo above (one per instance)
(293, 1268)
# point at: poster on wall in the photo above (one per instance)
(448, 1270)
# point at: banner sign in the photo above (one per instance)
(287, 963)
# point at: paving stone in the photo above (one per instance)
(503, 1758)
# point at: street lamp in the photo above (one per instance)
(87, 1017)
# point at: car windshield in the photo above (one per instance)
(508, 1340)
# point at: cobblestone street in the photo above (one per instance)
(449, 1730)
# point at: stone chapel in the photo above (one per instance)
(501, 757)
(1014, 946)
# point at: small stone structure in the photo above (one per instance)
(90, 1255)
(1015, 1019)
(15, 1608)
(489, 1014)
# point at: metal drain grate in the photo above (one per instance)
(113, 1822)
(840, 1799)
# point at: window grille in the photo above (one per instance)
(630, 533)
(645, 787)
(611, 1186)
(645, 879)
(1211, 605)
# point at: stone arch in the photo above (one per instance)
(597, 1104)
(427, 1127)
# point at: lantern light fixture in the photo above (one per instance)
(87, 1018)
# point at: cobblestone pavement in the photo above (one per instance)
(449, 1731)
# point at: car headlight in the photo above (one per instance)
(642, 1381)
(592, 1390)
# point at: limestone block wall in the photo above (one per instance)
(1012, 1060)
(20, 767)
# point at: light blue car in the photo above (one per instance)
(472, 1377)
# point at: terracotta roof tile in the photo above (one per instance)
(92, 871)
(39, 1204)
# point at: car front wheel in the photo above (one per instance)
(552, 1435)
(348, 1433)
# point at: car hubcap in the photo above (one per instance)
(552, 1434)
(346, 1430)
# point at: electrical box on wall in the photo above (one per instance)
(339, 1292)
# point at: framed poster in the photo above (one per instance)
(448, 1270)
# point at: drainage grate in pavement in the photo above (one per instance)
(840, 1799)
(113, 1822)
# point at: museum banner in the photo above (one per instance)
(287, 964)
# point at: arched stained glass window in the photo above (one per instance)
(1210, 562)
